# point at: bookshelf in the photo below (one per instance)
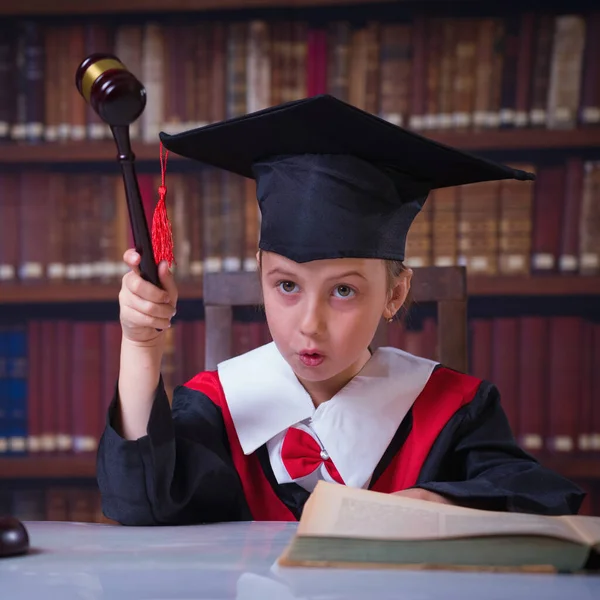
(74, 7)
(494, 140)
(559, 285)
(48, 467)
(527, 143)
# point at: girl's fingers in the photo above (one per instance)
(144, 289)
(168, 282)
(135, 318)
(147, 307)
(132, 259)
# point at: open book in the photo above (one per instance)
(349, 527)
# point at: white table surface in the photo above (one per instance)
(233, 560)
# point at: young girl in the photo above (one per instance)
(338, 190)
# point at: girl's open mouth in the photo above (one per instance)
(311, 359)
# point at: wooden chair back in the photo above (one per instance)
(444, 286)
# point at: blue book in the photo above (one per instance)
(17, 370)
(4, 399)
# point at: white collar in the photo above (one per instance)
(265, 398)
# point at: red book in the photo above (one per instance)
(265, 334)
(241, 343)
(110, 362)
(256, 337)
(505, 366)
(321, 57)
(396, 335)
(195, 340)
(429, 335)
(87, 385)
(586, 413)
(63, 396)
(595, 437)
(311, 63)
(49, 400)
(413, 342)
(533, 389)
(547, 219)
(10, 228)
(418, 93)
(524, 67)
(569, 244)
(565, 386)
(481, 348)
(589, 107)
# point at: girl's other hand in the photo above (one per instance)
(421, 494)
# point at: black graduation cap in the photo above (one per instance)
(333, 180)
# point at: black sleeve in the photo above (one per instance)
(476, 462)
(180, 472)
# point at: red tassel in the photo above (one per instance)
(162, 237)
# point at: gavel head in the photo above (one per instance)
(111, 90)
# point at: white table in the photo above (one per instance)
(234, 560)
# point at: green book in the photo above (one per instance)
(348, 527)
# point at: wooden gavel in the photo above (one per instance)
(118, 98)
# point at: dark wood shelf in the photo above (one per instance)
(44, 7)
(50, 467)
(58, 292)
(84, 466)
(517, 139)
(81, 292)
(559, 285)
(546, 285)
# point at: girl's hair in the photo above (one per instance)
(394, 268)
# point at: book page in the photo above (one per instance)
(587, 527)
(335, 510)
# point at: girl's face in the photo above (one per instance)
(323, 314)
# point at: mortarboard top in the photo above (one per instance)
(333, 180)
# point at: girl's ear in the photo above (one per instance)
(398, 294)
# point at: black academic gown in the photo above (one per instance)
(455, 440)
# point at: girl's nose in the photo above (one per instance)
(312, 323)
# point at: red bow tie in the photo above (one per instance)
(301, 455)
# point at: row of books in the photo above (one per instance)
(74, 227)
(54, 502)
(59, 377)
(526, 70)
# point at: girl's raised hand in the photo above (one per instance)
(144, 307)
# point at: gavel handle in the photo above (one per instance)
(137, 218)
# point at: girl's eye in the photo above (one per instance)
(343, 291)
(287, 287)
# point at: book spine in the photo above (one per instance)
(589, 109)
(565, 72)
(533, 391)
(565, 388)
(505, 366)
(8, 78)
(548, 211)
(569, 247)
